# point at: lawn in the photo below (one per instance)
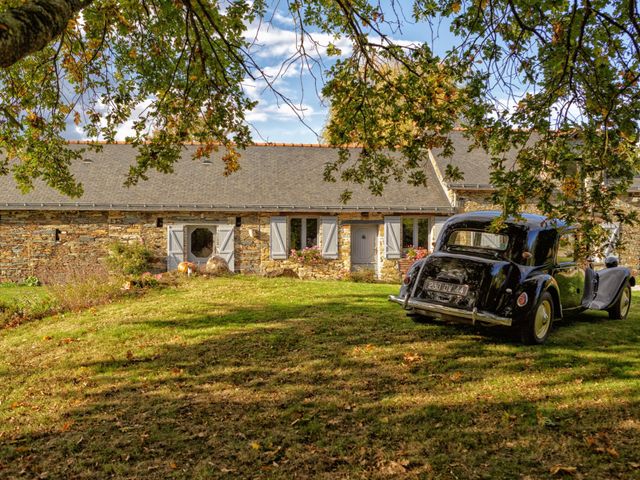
(11, 293)
(280, 378)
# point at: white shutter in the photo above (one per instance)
(175, 246)
(392, 237)
(225, 244)
(438, 222)
(279, 238)
(329, 227)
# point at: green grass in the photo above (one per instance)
(279, 378)
(9, 293)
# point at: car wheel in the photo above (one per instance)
(621, 308)
(536, 328)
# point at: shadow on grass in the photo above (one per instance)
(348, 389)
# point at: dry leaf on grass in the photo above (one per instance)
(600, 443)
(562, 470)
(393, 468)
(412, 358)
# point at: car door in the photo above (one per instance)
(568, 273)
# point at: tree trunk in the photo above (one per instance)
(33, 25)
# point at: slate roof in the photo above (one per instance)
(476, 165)
(271, 178)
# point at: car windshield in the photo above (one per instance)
(477, 240)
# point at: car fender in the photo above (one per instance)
(534, 287)
(406, 289)
(610, 284)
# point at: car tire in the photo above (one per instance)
(621, 308)
(537, 325)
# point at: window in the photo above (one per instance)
(541, 246)
(304, 233)
(476, 239)
(201, 242)
(415, 232)
(566, 248)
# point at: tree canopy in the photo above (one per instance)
(555, 82)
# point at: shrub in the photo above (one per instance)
(31, 281)
(307, 256)
(62, 271)
(416, 253)
(86, 293)
(128, 258)
(20, 310)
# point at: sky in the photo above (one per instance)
(297, 113)
(274, 42)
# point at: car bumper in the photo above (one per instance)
(445, 312)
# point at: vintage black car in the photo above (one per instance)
(524, 277)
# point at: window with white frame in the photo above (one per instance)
(415, 232)
(303, 233)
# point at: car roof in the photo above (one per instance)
(528, 221)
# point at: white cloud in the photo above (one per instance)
(282, 19)
(126, 129)
(76, 132)
(269, 41)
(266, 112)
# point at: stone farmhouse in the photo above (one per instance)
(253, 218)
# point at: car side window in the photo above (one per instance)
(543, 247)
(567, 248)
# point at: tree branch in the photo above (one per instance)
(32, 26)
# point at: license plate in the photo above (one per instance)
(444, 287)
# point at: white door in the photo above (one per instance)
(363, 245)
(201, 243)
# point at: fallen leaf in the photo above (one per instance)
(634, 465)
(173, 465)
(562, 470)
(255, 445)
(613, 452)
(46, 337)
(412, 358)
(456, 376)
(392, 468)
(66, 426)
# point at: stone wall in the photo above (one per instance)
(42, 242)
(629, 248)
